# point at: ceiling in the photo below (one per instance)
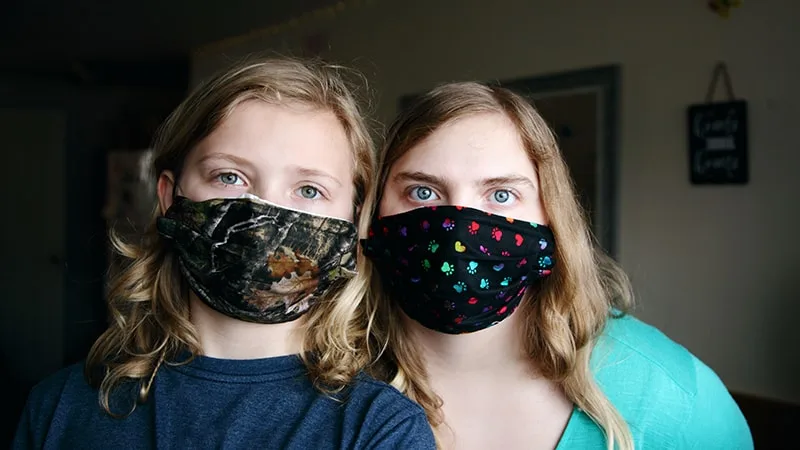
(41, 34)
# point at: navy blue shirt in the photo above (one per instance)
(227, 404)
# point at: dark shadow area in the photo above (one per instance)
(107, 106)
(772, 423)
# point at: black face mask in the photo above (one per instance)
(256, 261)
(455, 269)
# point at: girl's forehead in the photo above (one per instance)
(470, 149)
(262, 136)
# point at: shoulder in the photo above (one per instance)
(663, 391)
(65, 386)
(67, 382)
(715, 417)
(382, 399)
(390, 419)
(637, 345)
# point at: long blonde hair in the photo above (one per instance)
(148, 298)
(568, 312)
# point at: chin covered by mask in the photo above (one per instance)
(458, 270)
(256, 261)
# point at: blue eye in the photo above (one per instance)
(309, 192)
(231, 179)
(502, 196)
(422, 194)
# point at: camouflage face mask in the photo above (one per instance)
(256, 261)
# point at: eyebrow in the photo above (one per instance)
(311, 172)
(236, 160)
(420, 177)
(241, 162)
(506, 180)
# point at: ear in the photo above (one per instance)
(166, 186)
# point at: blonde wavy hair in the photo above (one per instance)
(148, 297)
(566, 315)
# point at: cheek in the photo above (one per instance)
(392, 203)
(340, 206)
(533, 211)
(193, 187)
(342, 209)
(543, 219)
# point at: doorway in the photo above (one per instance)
(573, 116)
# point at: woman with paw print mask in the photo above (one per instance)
(502, 318)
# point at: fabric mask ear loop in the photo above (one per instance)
(175, 186)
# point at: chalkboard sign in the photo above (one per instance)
(718, 136)
(718, 143)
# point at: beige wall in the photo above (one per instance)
(716, 268)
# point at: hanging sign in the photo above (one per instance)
(717, 133)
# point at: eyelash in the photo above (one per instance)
(321, 195)
(410, 191)
(512, 195)
(217, 177)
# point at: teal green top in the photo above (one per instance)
(668, 397)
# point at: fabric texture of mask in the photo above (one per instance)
(256, 261)
(456, 269)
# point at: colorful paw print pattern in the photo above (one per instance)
(456, 269)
